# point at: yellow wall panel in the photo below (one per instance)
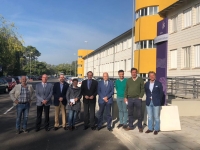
(146, 27)
(146, 58)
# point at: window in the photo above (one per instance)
(197, 55)
(128, 65)
(198, 13)
(79, 65)
(187, 18)
(173, 59)
(79, 56)
(147, 11)
(186, 58)
(79, 75)
(145, 44)
(174, 23)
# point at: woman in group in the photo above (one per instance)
(74, 104)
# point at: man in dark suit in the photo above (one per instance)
(60, 101)
(105, 92)
(43, 93)
(89, 92)
(154, 94)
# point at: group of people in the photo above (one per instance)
(129, 96)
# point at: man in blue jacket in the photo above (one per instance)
(105, 92)
(154, 94)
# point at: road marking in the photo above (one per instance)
(9, 110)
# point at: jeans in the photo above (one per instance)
(72, 117)
(137, 103)
(123, 113)
(22, 109)
(153, 115)
(102, 106)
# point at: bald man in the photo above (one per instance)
(105, 92)
(44, 93)
(22, 95)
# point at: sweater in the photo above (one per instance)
(120, 87)
(71, 94)
(134, 89)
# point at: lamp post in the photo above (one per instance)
(35, 64)
(87, 56)
(133, 24)
(75, 65)
(30, 62)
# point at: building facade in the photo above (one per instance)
(145, 31)
(183, 38)
(111, 57)
(80, 62)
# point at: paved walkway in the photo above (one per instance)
(186, 139)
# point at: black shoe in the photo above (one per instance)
(36, 130)
(110, 129)
(119, 126)
(98, 128)
(65, 128)
(47, 129)
(93, 128)
(74, 128)
(25, 131)
(18, 131)
(125, 126)
(55, 128)
(85, 127)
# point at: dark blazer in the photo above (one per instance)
(57, 93)
(104, 91)
(156, 94)
(89, 92)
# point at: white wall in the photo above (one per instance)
(111, 59)
(182, 38)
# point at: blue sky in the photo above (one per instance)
(58, 28)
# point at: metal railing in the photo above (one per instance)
(184, 86)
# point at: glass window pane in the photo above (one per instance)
(145, 44)
(145, 11)
(155, 10)
(141, 45)
(150, 10)
(142, 12)
(150, 44)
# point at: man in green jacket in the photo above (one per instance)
(133, 97)
(120, 85)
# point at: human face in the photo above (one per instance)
(23, 80)
(44, 78)
(75, 83)
(89, 75)
(134, 74)
(62, 78)
(105, 76)
(152, 76)
(121, 75)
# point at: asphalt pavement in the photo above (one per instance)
(52, 140)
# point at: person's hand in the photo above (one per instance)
(125, 100)
(92, 97)
(105, 99)
(60, 99)
(16, 101)
(44, 102)
(86, 97)
(140, 98)
(76, 99)
(71, 104)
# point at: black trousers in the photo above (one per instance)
(89, 113)
(39, 116)
(137, 103)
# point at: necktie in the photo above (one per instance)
(105, 83)
(89, 84)
(44, 87)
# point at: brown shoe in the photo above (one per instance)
(148, 131)
(140, 130)
(155, 132)
(128, 128)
